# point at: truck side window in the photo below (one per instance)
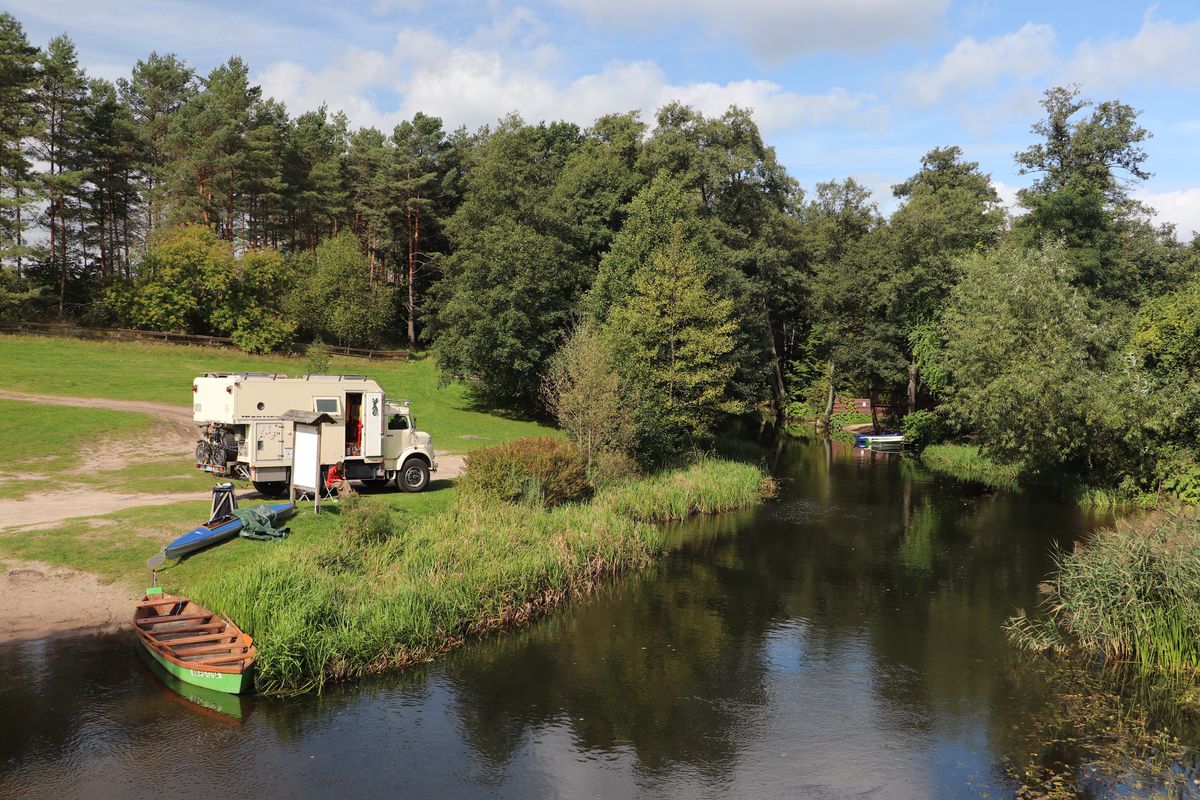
(398, 422)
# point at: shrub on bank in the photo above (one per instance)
(537, 470)
(379, 593)
(1130, 594)
(923, 428)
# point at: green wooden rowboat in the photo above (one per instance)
(215, 705)
(194, 644)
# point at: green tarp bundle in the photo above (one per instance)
(260, 522)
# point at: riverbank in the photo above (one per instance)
(379, 590)
(41, 600)
(968, 463)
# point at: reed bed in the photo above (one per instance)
(1130, 594)
(383, 592)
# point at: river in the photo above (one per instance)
(842, 641)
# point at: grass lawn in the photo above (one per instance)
(52, 443)
(116, 546)
(163, 373)
(44, 439)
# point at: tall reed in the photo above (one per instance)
(1130, 594)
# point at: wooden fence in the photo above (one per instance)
(124, 334)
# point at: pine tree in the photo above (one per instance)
(107, 158)
(18, 123)
(421, 172)
(262, 190)
(313, 175)
(59, 104)
(155, 91)
(371, 197)
(209, 152)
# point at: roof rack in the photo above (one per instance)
(271, 375)
(335, 377)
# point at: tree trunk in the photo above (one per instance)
(777, 386)
(62, 286)
(103, 247)
(874, 412)
(912, 387)
(20, 230)
(414, 243)
(829, 399)
(152, 202)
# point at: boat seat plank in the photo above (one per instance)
(172, 618)
(206, 627)
(217, 660)
(207, 637)
(206, 648)
(153, 603)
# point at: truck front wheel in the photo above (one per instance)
(413, 476)
(271, 488)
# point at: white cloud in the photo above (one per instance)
(773, 30)
(1180, 207)
(1160, 53)
(1008, 198)
(506, 67)
(979, 65)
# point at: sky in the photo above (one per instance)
(840, 88)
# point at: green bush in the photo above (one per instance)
(1183, 479)
(316, 358)
(923, 428)
(609, 467)
(538, 470)
(264, 333)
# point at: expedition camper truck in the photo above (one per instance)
(245, 438)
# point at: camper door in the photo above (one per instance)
(372, 424)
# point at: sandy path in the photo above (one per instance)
(48, 509)
(81, 603)
(450, 465)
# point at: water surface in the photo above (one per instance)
(843, 641)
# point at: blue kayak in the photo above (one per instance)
(218, 530)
